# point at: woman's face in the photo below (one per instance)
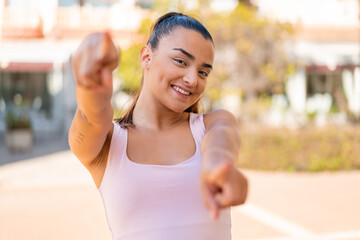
(177, 71)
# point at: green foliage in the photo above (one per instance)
(130, 69)
(145, 26)
(311, 116)
(163, 6)
(308, 149)
(260, 63)
(214, 86)
(17, 118)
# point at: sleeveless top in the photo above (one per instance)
(158, 202)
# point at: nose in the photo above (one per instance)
(191, 78)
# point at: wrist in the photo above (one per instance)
(98, 117)
(216, 157)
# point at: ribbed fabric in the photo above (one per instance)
(158, 202)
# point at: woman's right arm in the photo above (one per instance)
(93, 64)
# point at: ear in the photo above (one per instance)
(145, 57)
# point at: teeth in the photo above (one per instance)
(181, 90)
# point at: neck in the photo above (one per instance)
(154, 115)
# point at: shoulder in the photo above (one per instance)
(219, 116)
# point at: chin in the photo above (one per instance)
(178, 109)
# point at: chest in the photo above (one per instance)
(160, 148)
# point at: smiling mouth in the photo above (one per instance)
(180, 90)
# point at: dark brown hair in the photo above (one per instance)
(162, 27)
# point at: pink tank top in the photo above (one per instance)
(158, 202)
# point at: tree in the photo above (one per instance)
(130, 71)
(251, 49)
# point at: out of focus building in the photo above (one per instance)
(326, 47)
(37, 39)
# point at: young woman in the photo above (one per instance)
(163, 167)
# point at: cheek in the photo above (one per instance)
(165, 74)
(201, 86)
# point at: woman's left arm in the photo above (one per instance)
(223, 185)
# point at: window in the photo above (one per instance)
(27, 89)
(68, 3)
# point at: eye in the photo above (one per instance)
(180, 61)
(203, 73)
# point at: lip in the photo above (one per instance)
(182, 88)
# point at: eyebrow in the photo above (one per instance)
(206, 65)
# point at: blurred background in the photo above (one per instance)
(288, 69)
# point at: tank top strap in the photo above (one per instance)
(197, 127)
(117, 151)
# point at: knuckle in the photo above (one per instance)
(85, 75)
(237, 200)
(240, 199)
(233, 199)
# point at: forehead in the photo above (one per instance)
(189, 40)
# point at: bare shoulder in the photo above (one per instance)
(219, 116)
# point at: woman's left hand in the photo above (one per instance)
(223, 185)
